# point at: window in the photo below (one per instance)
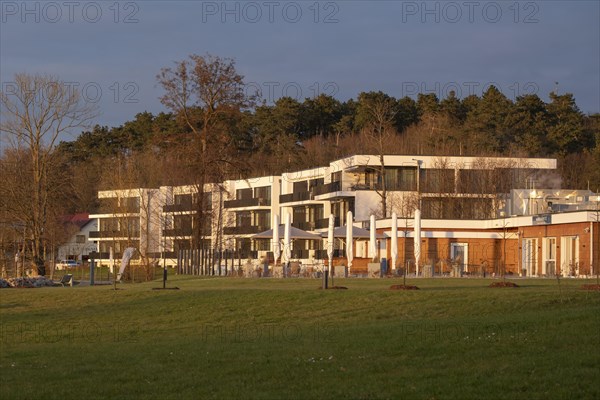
(315, 213)
(183, 222)
(301, 186)
(401, 178)
(263, 192)
(109, 225)
(183, 199)
(336, 176)
(316, 182)
(132, 204)
(262, 219)
(339, 209)
(243, 194)
(243, 218)
(80, 239)
(437, 181)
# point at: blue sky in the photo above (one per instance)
(113, 50)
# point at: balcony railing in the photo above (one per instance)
(328, 188)
(324, 223)
(178, 232)
(322, 254)
(305, 225)
(243, 230)
(253, 202)
(297, 196)
(363, 186)
(178, 207)
(112, 234)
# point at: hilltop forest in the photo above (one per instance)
(152, 150)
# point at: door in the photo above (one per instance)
(459, 254)
(569, 265)
(529, 256)
(549, 259)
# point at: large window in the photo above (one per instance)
(183, 222)
(109, 224)
(263, 192)
(132, 204)
(437, 181)
(339, 209)
(315, 182)
(183, 199)
(243, 194)
(300, 186)
(243, 218)
(401, 178)
(262, 219)
(336, 176)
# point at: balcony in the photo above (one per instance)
(322, 254)
(113, 234)
(305, 225)
(324, 223)
(243, 230)
(178, 232)
(292, 197)
(363, 186)
(178, 208)
(328, 188)
(253, 202)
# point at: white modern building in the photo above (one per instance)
(162, 223)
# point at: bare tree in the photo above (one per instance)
(378, 133)
(207, 94)
(36, 111)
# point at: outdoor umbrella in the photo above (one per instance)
(394, 240)
(276, 245)
(372, 240)
(111, 262)
(330, 240)
(127, 255)
(287, 242)
(349, 244)
(417, 240)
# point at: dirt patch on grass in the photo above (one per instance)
(594, 287)
(404, 287)
(503, 285)
(336, 287)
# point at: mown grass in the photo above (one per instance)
(273, 339)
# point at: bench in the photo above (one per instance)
(67, 279)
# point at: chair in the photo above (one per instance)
(67, 279)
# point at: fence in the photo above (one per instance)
(212, 262)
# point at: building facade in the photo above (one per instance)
(475, 210)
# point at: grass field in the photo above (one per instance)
(278, 339)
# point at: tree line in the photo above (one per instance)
(263, 139)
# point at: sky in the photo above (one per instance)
(112, 51)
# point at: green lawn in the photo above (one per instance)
(276, 339)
